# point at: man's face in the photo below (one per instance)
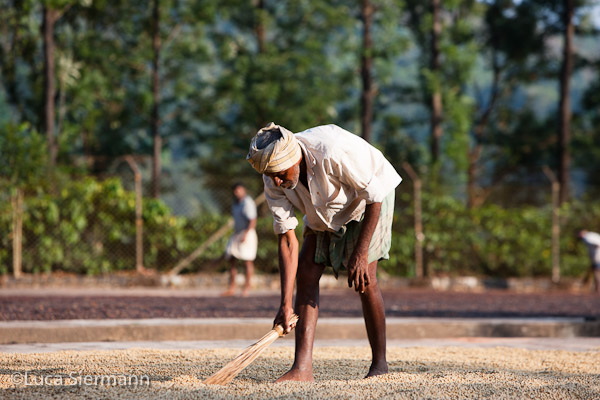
(239, 192)
(287, 179)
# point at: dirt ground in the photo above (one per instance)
(334, 303)
(415, 373)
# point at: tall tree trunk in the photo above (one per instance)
(473, 191)
(155, 122)
(10, 43)
(436, 95)
(50, 17)
(366, 71)
(564, 154)
(259, 31)
(259, 27)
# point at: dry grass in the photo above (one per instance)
(415, 373)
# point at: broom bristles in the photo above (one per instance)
(235, 366)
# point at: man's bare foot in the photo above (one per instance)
(245, 291)
(297, 375)
(377, 370)
(228, 292)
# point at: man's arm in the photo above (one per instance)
(288, 265)
(358, 271)
(251, 225)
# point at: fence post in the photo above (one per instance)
(17, 233)
(139, 222)
(555, 224)
(419, 236)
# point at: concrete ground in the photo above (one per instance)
(575, 344)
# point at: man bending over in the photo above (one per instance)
(345, 189)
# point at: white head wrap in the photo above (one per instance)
(274, 155)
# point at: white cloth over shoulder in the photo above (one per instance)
(592, 242)
(344, 174)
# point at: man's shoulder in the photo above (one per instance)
(323, 132)
(330, 139)
(248, 200)
(592, 238)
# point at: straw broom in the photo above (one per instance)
(235, 366)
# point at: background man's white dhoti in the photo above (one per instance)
(245, 250)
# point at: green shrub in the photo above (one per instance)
(88, 226)
(490, 240)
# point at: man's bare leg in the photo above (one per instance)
(307, 308)
(249, 274)
(374, 314)
(232, 274)
(597, 280)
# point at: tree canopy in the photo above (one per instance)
(228, 67)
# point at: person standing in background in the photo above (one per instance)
(592, 242)
(244, 242)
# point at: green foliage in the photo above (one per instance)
(511, 28)
(586, 139)
(22, 154)
(218, 84)
(458, 52)
(490, 240)
(89, 227)
(458, 108)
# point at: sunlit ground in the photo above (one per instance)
(417, 372)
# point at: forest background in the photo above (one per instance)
(478, 97)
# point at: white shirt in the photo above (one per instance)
(344, 174)
(243, 212)
(592, 241)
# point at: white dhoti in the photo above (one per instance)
(245, 250)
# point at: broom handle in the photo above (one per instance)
(279, 327)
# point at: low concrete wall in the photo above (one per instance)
(271, 282)
(253, 329)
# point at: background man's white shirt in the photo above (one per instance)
(592, 241)
(243, 212)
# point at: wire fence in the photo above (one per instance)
(92, 226)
